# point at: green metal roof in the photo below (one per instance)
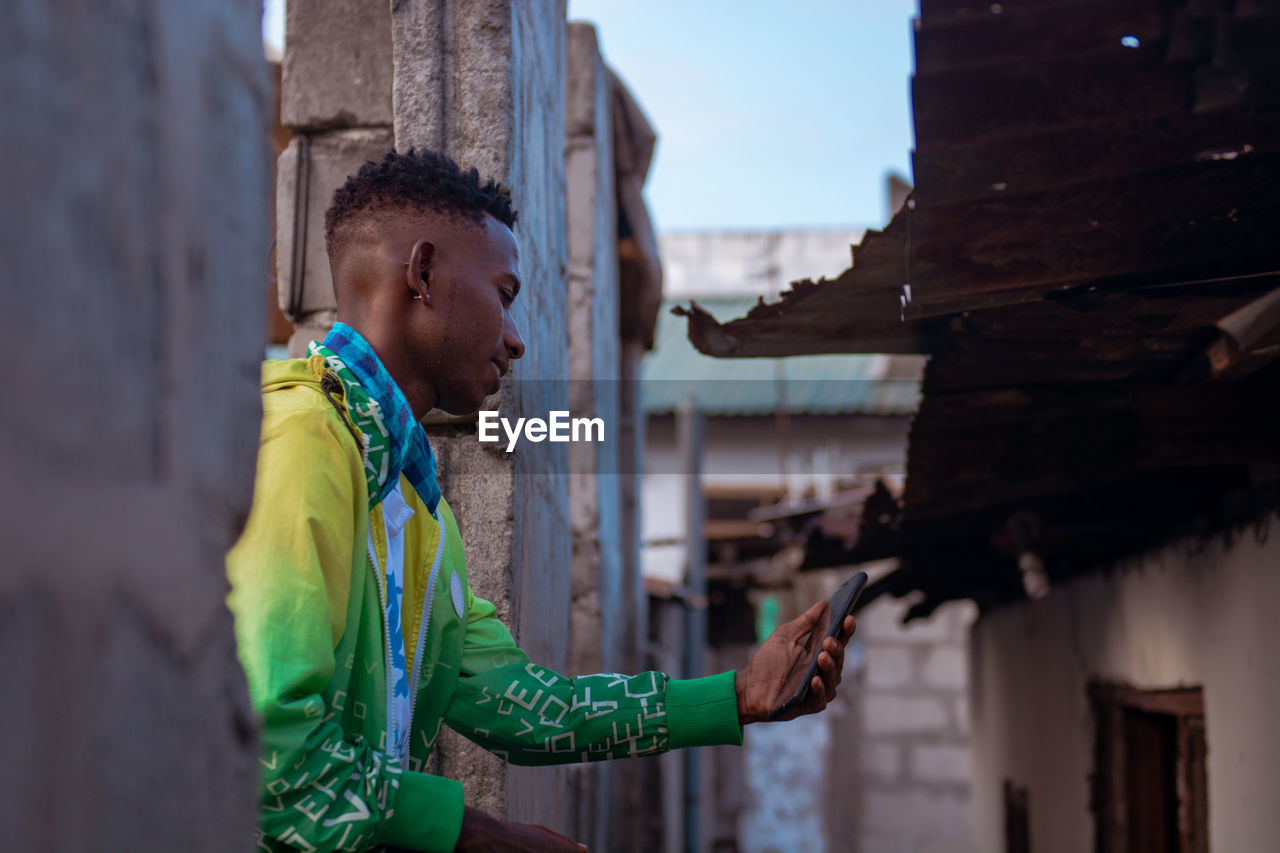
(811, 384)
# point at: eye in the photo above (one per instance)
(508, 296)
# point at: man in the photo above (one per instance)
(354, 621)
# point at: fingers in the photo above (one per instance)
(831, 666)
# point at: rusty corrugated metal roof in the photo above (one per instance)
(1097, 206)
(814, 384)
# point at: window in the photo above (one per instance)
(1150, 793)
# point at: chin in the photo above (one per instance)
(463, 404)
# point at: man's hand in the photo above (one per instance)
(778, 666)
(482, 834)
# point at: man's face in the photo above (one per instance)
(467, 339)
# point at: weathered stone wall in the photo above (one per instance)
(136, 178)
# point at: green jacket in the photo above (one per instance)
(310, 634)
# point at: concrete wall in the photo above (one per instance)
(136, 175)
(1190, 614)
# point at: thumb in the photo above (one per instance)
(804, 624)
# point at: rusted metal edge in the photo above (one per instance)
(877, 282)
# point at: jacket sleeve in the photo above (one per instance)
(530, 715)
(291, 576)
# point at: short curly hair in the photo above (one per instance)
(418, 180)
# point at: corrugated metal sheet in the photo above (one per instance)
(1097, 201)
(813, 385)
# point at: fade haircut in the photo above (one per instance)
(419, 180)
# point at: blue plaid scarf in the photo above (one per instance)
(395, 442)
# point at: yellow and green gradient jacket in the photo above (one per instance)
(307, 600)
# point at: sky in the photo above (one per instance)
(769, 113)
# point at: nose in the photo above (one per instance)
(511, 338)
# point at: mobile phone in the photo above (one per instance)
(841, 604)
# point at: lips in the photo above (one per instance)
(500, 371)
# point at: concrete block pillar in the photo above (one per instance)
(308, 172)
(136, 177)
(594, 359)
(483, 82)
(336, 96)
(598, 614)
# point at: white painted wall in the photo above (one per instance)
(1190, 614)
(764, 263)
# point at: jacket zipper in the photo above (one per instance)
(386, 645)
(428, 598)
(330, 384)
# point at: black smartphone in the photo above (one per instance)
(841, 604)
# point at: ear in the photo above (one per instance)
(419, 272)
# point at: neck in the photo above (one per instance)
(421, 397)
(419, 393)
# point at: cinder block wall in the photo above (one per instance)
(913, 730)
(135, 180)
